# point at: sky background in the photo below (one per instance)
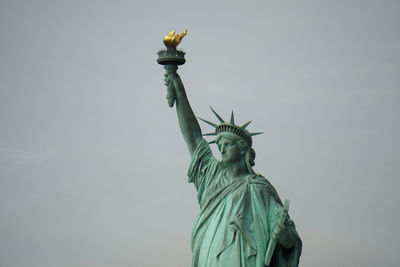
(92, 163)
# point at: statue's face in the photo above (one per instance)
(230, 150)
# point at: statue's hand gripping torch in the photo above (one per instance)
(171, 93)
(171, 58)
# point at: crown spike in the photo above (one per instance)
(210, 123)
(257, 133)
(245, 125)
(210, 134)
(232, 118)
(216, 115)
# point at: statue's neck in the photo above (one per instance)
(236, 169)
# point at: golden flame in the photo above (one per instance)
(172, 39)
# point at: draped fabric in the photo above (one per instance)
(237, 216)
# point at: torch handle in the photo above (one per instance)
(171, 94)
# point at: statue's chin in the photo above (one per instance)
(225, 159)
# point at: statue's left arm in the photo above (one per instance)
(288, 250)
(282, 234)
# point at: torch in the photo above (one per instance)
(171, 58)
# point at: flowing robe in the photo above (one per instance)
(236, 219)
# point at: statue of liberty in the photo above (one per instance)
(242, 221)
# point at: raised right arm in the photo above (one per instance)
(187, 120)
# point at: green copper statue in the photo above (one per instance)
(242, 221)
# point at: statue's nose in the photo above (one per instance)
(223, 149)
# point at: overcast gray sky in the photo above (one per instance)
(92, 164)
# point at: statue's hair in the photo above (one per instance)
(249, 156)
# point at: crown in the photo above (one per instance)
(230, 127)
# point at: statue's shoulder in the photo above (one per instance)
(265, 184)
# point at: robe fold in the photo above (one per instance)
(236, 219)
